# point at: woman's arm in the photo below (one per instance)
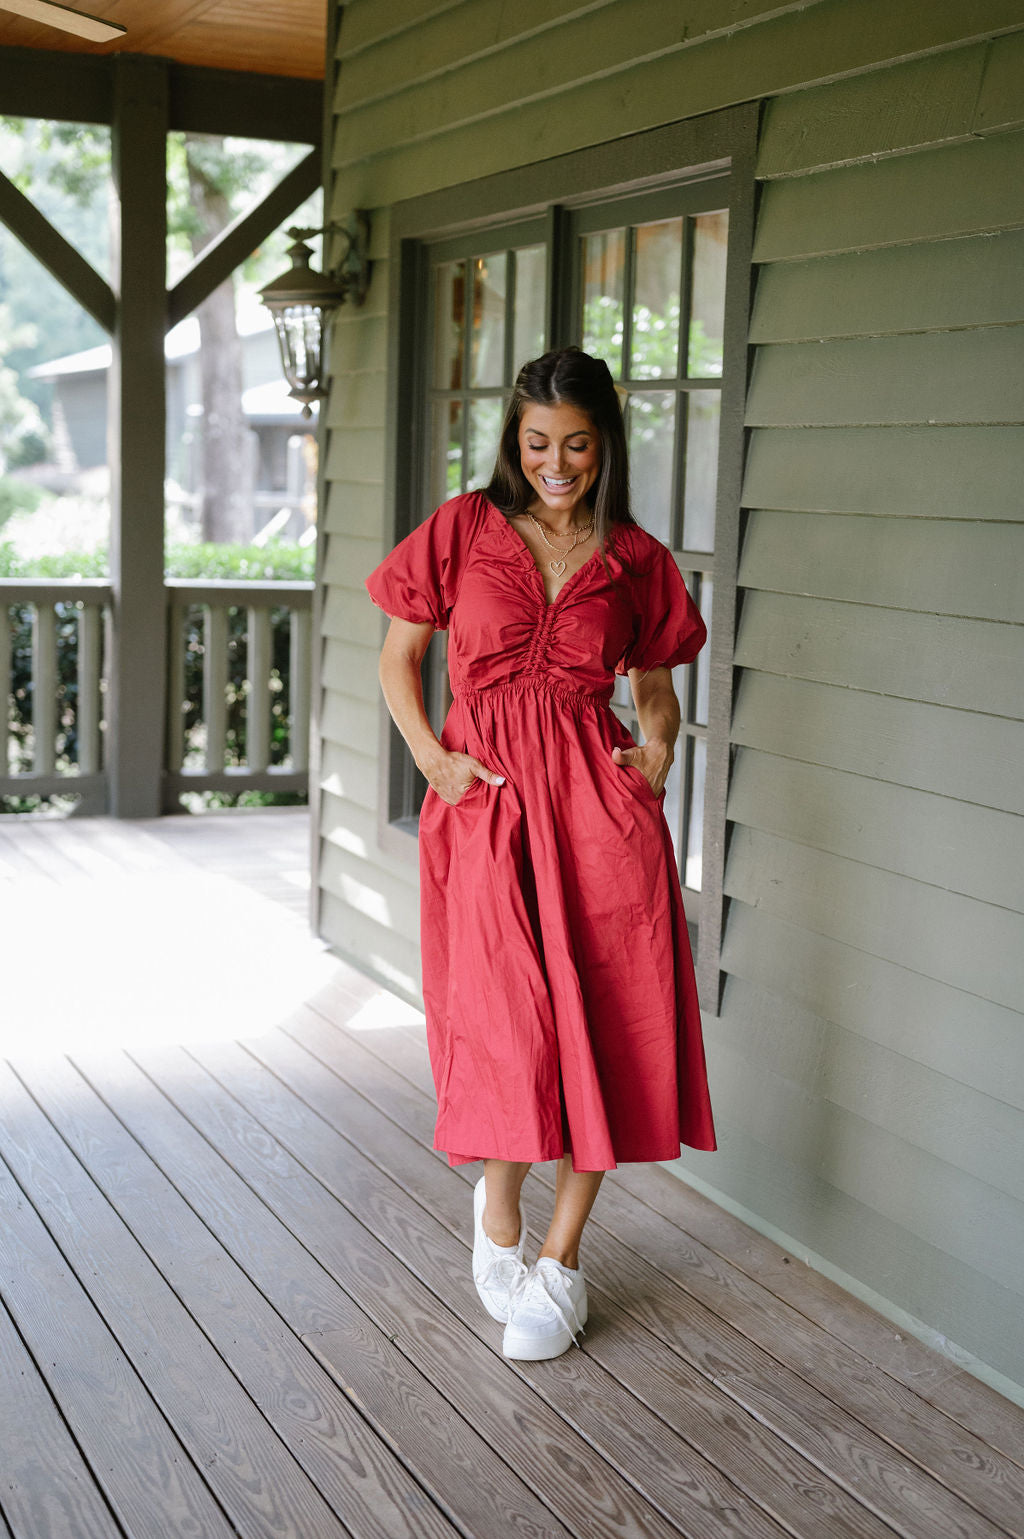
(657, 710)
(450, 773)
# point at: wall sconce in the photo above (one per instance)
(301, 299)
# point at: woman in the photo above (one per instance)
(562, 1015)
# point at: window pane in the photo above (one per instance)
(695, 821)
(672, 806)
(651, 426)
(529, 324)
(446, 451)
(707, 301)
(604, 269)
(449, 323)
(484, 428)
(487, 349)
(655, 340)
(703, 664)
(702, 417)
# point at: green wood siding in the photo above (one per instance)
(867, 1064)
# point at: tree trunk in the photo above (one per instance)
(226, 456)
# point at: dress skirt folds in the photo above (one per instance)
(561, 1006)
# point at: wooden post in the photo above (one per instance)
(138, 681)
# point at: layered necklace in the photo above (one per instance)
(579, 537)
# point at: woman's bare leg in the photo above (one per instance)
(503, 1184)
(575, 1191)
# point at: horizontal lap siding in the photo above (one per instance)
(869, 1044)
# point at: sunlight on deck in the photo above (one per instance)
(147, 945)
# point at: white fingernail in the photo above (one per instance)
(499, 780)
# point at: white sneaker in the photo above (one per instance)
(547, 1312)
(498, 1270)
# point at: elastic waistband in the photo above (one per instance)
(535, 684)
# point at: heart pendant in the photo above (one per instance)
(558, 567)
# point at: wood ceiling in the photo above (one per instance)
(265, 37)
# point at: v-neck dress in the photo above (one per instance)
(558, 983)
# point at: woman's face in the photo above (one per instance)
(560, 452)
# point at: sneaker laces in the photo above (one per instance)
(503, 1272)
(536, 1287)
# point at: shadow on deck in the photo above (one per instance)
(236, 1276)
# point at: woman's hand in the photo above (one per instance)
(451, 774)
(657, 711)
(653, 759)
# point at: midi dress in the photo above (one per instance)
(558, 983)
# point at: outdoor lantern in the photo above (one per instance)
(301, 299)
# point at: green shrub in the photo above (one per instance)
(17, 497)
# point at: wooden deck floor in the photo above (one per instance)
(235, 1277)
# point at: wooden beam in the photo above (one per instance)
(41, 83)
(137, 419)
(241, 238)
(57, 255)
(79, 88)
(221, 101)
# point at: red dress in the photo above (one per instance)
(560, 998)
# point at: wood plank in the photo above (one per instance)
(888, 916)
(137, 1460)
(1000, 102)
(442, 1344)
(626, 1274)
(349, 773)
(954, 845)
(350, 669)
(390, 958)
(865, 1250)
(967, 281)
(978, 1134)
(960, 189)
(358, 399)
(932, 472)
(363, 447)
(965, 1398)
(355, 507)
(350, 558)
(932, 378)
(48, 1487)
(296, 1455)
(402, 1404)
(961, 754)
(921, 102)
(881, 1001)
(709, 1423)
(933, 567)
(345, 720)
(390, 901)
(939, 659)
(355, 830)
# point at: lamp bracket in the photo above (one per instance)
(352, 272)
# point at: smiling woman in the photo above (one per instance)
(562, 1012)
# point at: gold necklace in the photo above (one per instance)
(580, 536)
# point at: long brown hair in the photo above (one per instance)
(568, 377)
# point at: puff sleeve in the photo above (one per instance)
(667, 625)
(419, 580)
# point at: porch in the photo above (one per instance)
(236, 1276)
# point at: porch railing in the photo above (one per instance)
(238, 691)
(240, 714)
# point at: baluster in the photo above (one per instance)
(90, 620)
(299, 660)
(215, 677)
(257, 708)
(175, 687)
(44, 688)
(5, 688)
